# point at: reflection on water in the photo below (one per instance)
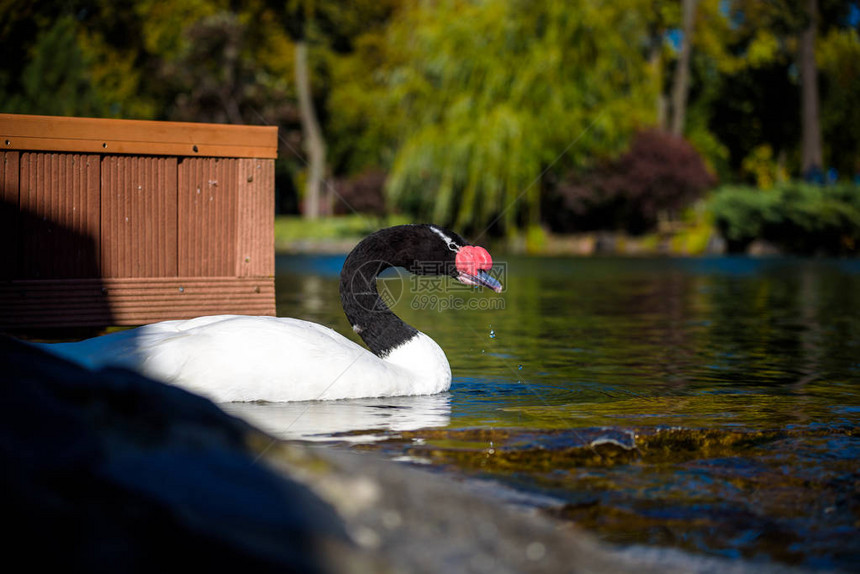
(738, 381)
(325, 420)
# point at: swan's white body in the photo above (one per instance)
(234, 358)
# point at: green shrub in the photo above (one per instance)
(798, 218)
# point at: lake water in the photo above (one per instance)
(709, 404)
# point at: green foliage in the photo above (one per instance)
(473, 108)
(763, 168)
(218, 77)
(164, 24)
(56, 79)
(753, 47)
(802, 219)
(838, 55)
(481, 97)
(695, 233)
(536, 239)
(360, 129)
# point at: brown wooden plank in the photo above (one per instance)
(92, 135)
(206, 216)
(9, 177)
(139, 148)
(9, 214)
(138, 216)
(59, 221)
(255, 241)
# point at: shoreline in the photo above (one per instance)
(591, 244)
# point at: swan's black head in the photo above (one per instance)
(420, 249)
(432, 250)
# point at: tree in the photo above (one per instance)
(59, 59)
(215, 77)
(55, 81)
(299, 17)
(838, 57)
(314, 141)
(682, 71)
(812, 159)
(331, 29)
(483, 98)
(769, 79)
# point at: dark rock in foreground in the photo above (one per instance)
(111, 472)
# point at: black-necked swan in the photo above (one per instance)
(235, 358)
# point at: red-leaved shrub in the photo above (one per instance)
(363, 193)
(659, 173)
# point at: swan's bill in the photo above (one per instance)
(482, 279)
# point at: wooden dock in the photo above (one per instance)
(122, 222)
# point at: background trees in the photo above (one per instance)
(483, 98)
(470, 113)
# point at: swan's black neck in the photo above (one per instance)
(407, 246)
(365, 310)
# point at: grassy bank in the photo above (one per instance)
(793, 219)
(293, 233)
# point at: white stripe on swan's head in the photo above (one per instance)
(448, 241)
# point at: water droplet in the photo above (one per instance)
(492, 334)
(519, 367)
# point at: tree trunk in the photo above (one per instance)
(313, 139)
(681, 81)
(812, 161)
(655, 62)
